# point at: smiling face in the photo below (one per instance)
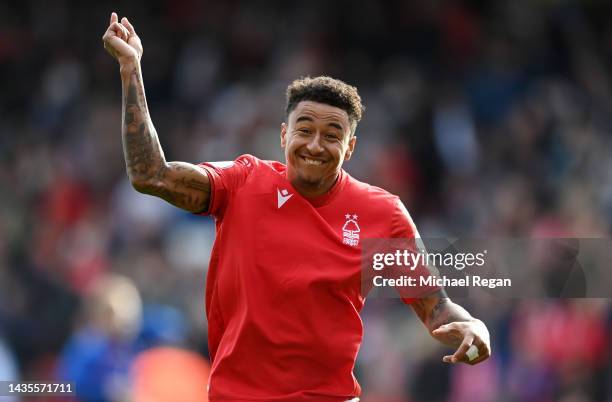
(317, 139)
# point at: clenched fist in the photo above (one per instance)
(121, 41)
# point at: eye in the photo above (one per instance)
(304, 130)
(331, 136)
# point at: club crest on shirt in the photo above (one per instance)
(350, 230)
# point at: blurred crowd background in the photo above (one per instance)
(490, 119)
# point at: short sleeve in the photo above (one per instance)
(225, 179)
(402, 226)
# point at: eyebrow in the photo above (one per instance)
(310, 119)
(304, 118)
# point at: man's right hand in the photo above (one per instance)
(121, 41)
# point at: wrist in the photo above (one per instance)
(128, 66)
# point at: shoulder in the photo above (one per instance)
(276, 166)
(245, 163)
(385, 205)
(248, 161)
(376, 196)
(252, 163)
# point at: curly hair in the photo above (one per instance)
(326, 90)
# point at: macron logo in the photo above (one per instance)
(283, 196)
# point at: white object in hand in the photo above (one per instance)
(472, 353)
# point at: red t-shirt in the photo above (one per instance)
(283, 289)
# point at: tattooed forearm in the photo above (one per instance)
(445, 311)
(438, 309)
(143, 154)
(182, 184)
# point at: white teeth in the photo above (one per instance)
(312, 161)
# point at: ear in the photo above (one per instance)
(283, 135)
(351, 148)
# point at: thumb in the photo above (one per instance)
(441, 329)
(448, 359)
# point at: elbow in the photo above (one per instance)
(144, 185)
(145, 182)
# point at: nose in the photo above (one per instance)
(314, 145)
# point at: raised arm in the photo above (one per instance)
(452, 325)
(184, 185)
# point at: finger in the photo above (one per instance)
(106, 37)
(114, 30)
(125, 32)
(110, 33)
(445, 329)
(459, 355)
(128, 25)
(121, 31)
(117, 46)
(442, 329)
(113, 18)
(483, 353)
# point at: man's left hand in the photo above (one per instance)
(465, 334)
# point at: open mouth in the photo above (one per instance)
(310, 161)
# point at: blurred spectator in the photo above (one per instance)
(99, 354)
(8, 367)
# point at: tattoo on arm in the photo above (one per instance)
(143, 154)
(438, 309)
(182, 184)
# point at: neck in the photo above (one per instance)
(314, 189)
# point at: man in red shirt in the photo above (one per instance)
(283, 291)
